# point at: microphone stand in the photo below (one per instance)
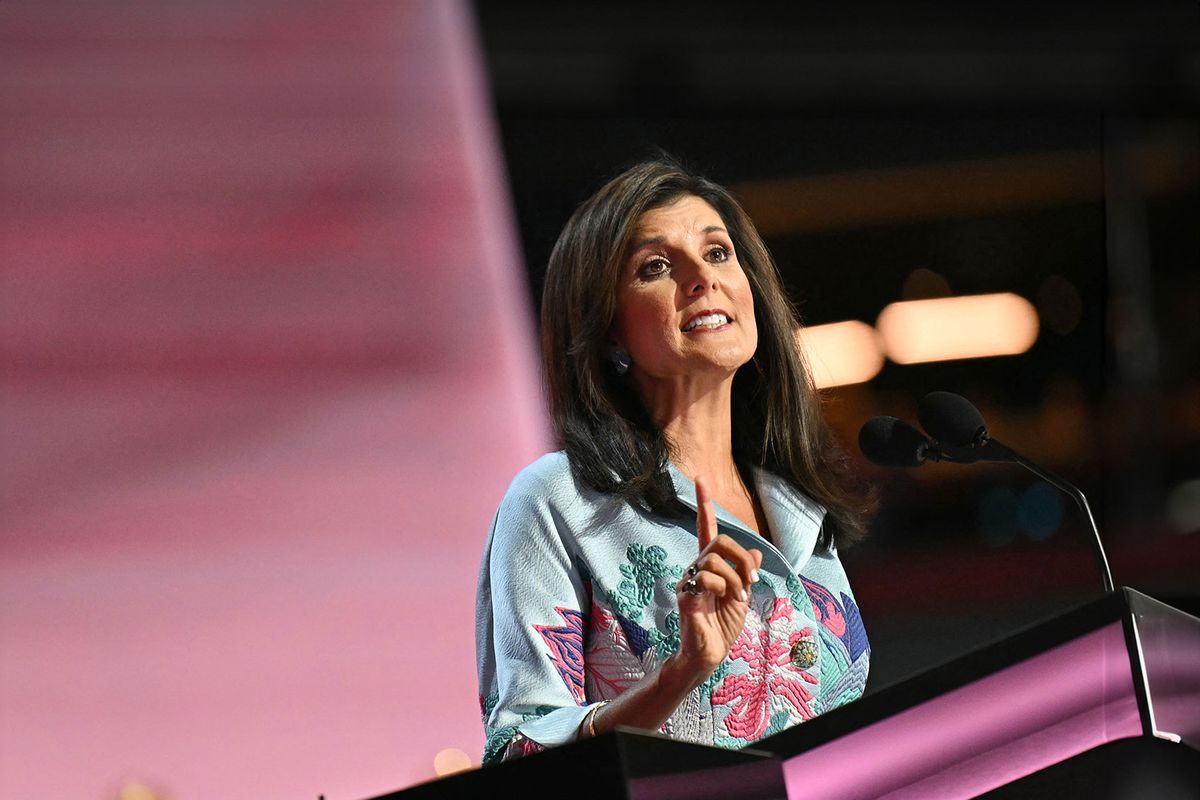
(989, 449)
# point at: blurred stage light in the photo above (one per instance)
(951, 328)
(922, 284)
(997, 514)
(1059, 304)
(841, 353)
(135, 790)
(451, 760)
(1040, 511)
(1183, 507)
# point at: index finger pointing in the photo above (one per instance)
(706, 518)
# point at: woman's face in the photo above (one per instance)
(683, 302)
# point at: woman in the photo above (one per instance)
(674, 566)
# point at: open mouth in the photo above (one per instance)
(707, 320)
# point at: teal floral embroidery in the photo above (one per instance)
(707, 688)
(780, 721)
(836, 659)
(498, 738)
(800, 599)
(646, 566)
(844, 697)
(728, 742)
(665, 641)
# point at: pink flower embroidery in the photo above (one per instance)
(565, 645)
(827, 609)
(772, 682)
(522, 746)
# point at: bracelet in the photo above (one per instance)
(589, 720)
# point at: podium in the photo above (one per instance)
(1100, 702)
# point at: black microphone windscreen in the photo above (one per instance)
(951, 419)
(890, 442)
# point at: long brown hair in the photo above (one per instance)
(610, 441)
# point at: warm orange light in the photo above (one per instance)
(451, 760)
(841, 353)
(948, 328)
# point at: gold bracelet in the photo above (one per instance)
(589, 721)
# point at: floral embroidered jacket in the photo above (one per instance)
(576, 602)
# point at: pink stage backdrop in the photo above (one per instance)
(267, 369)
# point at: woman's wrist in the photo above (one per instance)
(587, 728)
(677, 676)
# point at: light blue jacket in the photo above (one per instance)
(576, 602)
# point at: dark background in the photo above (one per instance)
(894, 152)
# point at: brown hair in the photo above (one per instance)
(608, 436)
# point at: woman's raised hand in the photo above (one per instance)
(713, 597)
(713, 594)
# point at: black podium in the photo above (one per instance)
(1099, 702)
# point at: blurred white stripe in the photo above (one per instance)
(841, 353)
(950, 328)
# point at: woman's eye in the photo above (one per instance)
(718, 253)
(653, 268)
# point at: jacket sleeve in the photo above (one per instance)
(530, 625)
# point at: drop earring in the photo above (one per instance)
(620, 359)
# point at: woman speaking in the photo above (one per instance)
(674, 567)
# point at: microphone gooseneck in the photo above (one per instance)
(1001, 452)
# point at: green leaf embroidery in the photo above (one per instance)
(497, 740)
(666, 642)
(646, 567)
(779, 722)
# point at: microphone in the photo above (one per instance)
(952, 420)
(961, 436)
(890, 442)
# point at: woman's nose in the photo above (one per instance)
(702, 279)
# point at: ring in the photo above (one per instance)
(690, 587)
(692, 571)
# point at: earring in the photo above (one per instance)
(620, 359)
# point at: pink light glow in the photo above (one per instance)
(252, 433)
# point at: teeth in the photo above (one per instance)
(708, 321)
